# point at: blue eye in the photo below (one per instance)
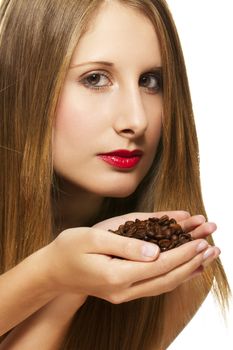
(96, 81)
(151, 81)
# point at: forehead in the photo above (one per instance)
(116, 31)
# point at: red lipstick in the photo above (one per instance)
(122, 158)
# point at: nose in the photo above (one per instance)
(130, 114)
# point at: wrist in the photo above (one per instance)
(52, 269)
(39, 269)
(66, 305)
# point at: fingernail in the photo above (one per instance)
(202, 217)
(208, 253)
(201, 246)
(149, 250)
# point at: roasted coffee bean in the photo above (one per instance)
(174, 237)
(164, 232)
(164, 243)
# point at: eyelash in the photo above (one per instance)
(89, 85)
(100, 75)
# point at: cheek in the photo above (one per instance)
(70, 117)
(76, 119)
(70, 131)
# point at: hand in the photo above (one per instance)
(81, 261)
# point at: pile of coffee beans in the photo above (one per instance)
(164, 232)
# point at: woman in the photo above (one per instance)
(97, 128)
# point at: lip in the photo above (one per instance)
(122, 158)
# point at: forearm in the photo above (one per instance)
(46, 328)
(25, 289)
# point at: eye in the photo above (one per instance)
(151, 81)
(96, 80)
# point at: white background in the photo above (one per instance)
(206, 31)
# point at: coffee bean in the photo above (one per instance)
(164, 232)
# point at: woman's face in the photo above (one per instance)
(108, 121)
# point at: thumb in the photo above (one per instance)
(104, 242)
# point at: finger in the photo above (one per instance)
(166, 282)
(210, 255)
(166, 262)
(192, 222)
(103, 242)
(204, 230)
(195, 273)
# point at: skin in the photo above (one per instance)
(126, 115)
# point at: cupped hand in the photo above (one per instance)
(82, 262)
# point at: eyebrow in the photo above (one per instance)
(104, 63)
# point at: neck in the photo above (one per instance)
(73, 206)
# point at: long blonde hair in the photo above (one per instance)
(37, 40)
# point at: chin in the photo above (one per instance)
(116, 187)
(117, 192)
